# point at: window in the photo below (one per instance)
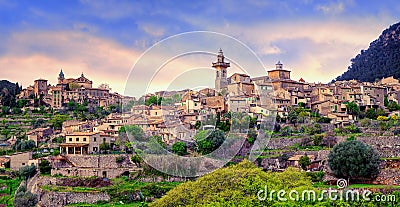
(23, 163)
(70, 139)
(77, 139)
(94, 139)
(104, 139)
(84, 139)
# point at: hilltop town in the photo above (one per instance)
(72, 129)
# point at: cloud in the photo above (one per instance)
(332, 8)
(41, 54)
(271, 50)
(152, 30)
(320, 50)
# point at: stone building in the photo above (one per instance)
(40, 87)
(39, 135)
(221, 81)
(21, 159)
(240, 84)
(81, 143)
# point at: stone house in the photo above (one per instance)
(340, 119)
(294, 162)
(240, 84)
(80, 143)
(39, 135)
(21, 159)
(239, 103)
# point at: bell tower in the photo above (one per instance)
(61, 77)
(221, 80)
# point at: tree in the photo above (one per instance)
(17, 89)
(386, 101)
(155, 145)
(371, 113)
(353, 160)
(104, 147)
(24, 198)
(304, 162)
(27, 171)
(380, 112)
(58, 120)
(154, 100)
(252, 135)
(352, 108)
(23, 145)
(317, 139)
(292, 117)
(38, 123)
(314, 129)
(197, 125)
(134, 132)
(137, 159)
(21, 103)
(179, 148)
(45, 167)
(207, 143)
(236, 185)
(392, 106)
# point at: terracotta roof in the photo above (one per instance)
(37, 130)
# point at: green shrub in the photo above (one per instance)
(354, 160)
(45, 167)
(316, 176)
(317, 139)
(119, 159)
(179, 148)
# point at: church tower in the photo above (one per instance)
(61, 77)
(221, 80)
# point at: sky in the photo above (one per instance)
(107, 39)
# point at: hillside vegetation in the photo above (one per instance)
(381, 59)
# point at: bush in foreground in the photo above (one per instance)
(236, 185)
(353, 160)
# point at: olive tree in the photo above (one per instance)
(353, 160)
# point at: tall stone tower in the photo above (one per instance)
(61, 77)
(221, 80)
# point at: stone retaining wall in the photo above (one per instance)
(58, 199)
(282, 143)
(100, 161)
